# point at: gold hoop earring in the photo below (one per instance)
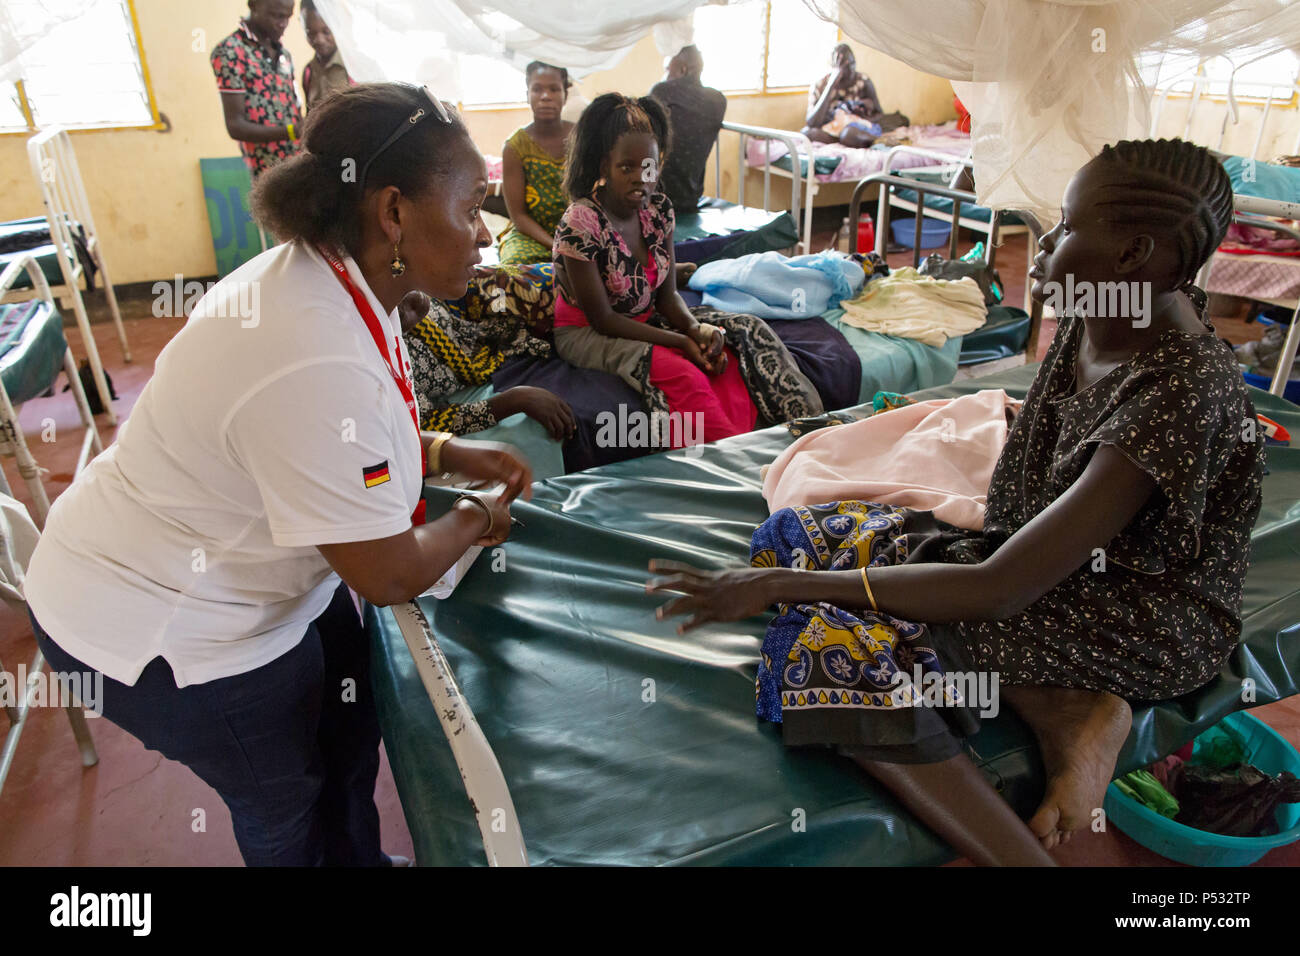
(596, 188)
(397, 266)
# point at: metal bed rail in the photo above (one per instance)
(789, 140)
(886, 183)
(485, 784)
(1231, 109)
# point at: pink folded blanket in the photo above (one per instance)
(932, 456)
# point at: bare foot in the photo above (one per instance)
(1080, 733)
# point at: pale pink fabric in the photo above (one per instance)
(932, 456)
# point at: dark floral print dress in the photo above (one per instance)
(1162, 609)
(1151, 617)
(779, 389)
(585, 233)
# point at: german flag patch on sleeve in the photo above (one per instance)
(375, 474)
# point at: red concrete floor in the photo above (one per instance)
(136, 809)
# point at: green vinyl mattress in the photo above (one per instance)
(626, 744)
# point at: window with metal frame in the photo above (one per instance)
(1253, 76)
(762, 46)
(89, 73)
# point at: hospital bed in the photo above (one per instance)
(827, 173)
(1246, 275)
(71, 244)
(1267, 190)
(623, 743)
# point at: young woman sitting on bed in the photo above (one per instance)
(532, 168)
(613, 248)
(1114, 549)
(532, 172)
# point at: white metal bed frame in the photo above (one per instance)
(767, 134)
(12, 441)
(54, 167)
(1231, 114)
(485, 784)
(1246, 208)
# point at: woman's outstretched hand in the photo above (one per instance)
(490, 461)
(730, 595)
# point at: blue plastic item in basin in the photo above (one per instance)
(934, 233)
(1265, 749)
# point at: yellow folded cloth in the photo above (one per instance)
(908, 304)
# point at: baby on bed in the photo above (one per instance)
(1114, 549)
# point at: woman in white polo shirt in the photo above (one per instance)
(275, 451)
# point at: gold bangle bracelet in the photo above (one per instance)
(434, 455)
(867, 587)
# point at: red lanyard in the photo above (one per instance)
(403, 380)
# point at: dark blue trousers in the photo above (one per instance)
(292, 747)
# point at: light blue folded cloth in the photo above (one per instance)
(773, 286)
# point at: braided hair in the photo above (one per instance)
(1176, 186)
(605, 119)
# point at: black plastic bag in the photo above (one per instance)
(990, 282)
(1238, 800)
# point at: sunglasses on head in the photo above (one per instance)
(435, 107)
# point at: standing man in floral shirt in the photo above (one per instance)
(255, 78)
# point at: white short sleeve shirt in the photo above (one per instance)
(271, 425)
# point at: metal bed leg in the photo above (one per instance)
(485, 784)
(1286, 358)
(18, 722)
(81, 733)
(92, 353)
(112, 306)
(27, 465)
(92, 439)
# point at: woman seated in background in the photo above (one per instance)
(843, 106)
(456, 346)
(532, 169)
(613, 250)
(1113, 555)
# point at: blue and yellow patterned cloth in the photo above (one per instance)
(824, 666)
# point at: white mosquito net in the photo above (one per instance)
(1049, 82)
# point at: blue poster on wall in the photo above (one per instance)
(235, 236)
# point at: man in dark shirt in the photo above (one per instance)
(696, 112)
(255, 78)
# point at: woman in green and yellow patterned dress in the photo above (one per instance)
(532, 169)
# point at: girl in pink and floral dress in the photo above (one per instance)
(614, 311)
